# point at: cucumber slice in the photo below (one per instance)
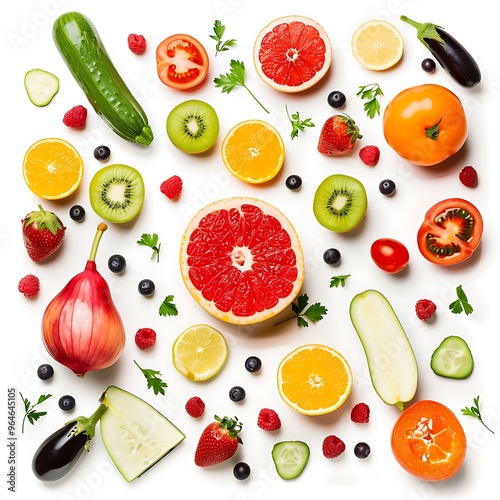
(290, 458)
(135, 435)
(452, 358)
(391, 360)
(41, 86)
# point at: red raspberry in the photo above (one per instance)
(425, 309)
(333, 446)
(468, 176)
(369, 155)
(360, 413)
(76, 117)
(195, 407)
(136, 43)
(145, 338)
(268, 420)
(172, 187)
(29, 285)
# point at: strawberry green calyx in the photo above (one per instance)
(44, 220)
(231, 425)
(425, 31)
(352, 128)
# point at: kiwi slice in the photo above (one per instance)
(340, 203)
(117, 193)
(193, 126)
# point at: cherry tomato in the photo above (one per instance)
(451, 231)
(390, 255)
(425, 124)
(181, 61)
(428, 441)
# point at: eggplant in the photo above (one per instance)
(449, 53)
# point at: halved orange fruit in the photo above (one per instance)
(241, 260)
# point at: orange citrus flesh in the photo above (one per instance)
(52, 168)
(314, 379)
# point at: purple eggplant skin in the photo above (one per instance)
(59, 453)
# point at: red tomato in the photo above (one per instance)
(390, 255)
(181, 62)
(428, 441)
(451, 231)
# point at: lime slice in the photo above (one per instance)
(199, 352)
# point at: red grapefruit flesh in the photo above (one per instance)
(292, 53)
(241, 260)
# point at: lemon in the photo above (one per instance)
(377, 45)
(199, 352)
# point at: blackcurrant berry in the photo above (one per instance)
(117, 263)
(45, 372)
(241, 471)
(77, 213)
(293, 182)
(237, 394)
(146, 287)
(362, 450)
(67, 402)
(429, 65)
(102, 153)
(253, 364)
(332, 256)
(336, 99)
(387, 187)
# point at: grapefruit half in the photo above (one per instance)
(292, 53)
(241, 260)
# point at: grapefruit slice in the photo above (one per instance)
(241, 260)
(292, 53)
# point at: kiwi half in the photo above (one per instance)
(193, 126)
(117, 193)
(340, 203)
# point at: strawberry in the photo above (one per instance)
(43, 234)
(338, 135)
(218, 442)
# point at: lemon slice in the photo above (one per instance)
(377, 45)
(199, 352)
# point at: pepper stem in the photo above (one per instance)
(97, 238)
(88, 424)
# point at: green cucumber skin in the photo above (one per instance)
(81, 48)
(455, 344)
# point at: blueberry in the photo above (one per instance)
(117, 263)
(146, 287)
(77, 213)
(237, 394)
(387, 187)
(336, 99)
(102, 153)
(332, 256)
(293, 182)
(45, 372)
(428, 65)
(253, 364)
(241, 471)
(362, 450)
(67, 402)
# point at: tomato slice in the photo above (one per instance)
(451, 231)
(181, 61)
(428, 441)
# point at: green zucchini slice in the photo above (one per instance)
(41, 86)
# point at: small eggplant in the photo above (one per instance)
(450, 53)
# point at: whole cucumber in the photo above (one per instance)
(82, 49)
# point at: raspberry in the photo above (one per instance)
(195, 407)
(136, 43)
(333, 446)
(425, 309)
(29, 285)
(172, 187)
(268, 420)
(76, 117)
(360, 413)
(468, 176)
(145, 338)
(369, 155)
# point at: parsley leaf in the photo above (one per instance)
(372, 94)
(298, 125)
(339, 280)
(29, 409)
(461, 304)
(154, 382)
(151, 241)
(314, 312)
(235, 78)
(221, 46)
(168, 308)
(474, 411)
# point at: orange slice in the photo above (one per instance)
(52, 168)
(314, 379)
(253, 151)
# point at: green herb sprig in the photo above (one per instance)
(221, 46)
(29, 409)
(371, 94)
(461, 304)
(151, 241)
(474, 411)
(340, 280)
(314, 312)
(168, 308)
(298, 125)
(154, 380)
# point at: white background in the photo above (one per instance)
(26, 43)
